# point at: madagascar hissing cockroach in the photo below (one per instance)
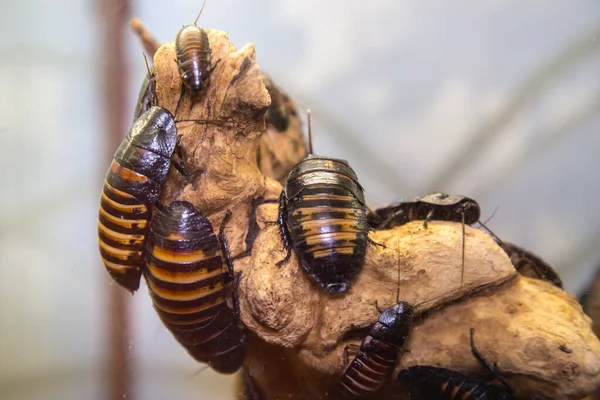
(187, 279)
(379, 351)
(530, 265)
(424, 382)
(131, 187)
(433, 206)
(193, 55)
(435, 383)
(323, 217)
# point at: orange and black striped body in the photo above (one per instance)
(322, 215)
(378, 353)
(131, 187)
(187, 280)
(434, 383)
(193, 56)
(433, 206)
(530, 265)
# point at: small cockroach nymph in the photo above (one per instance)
(323, 217)
(193, 55)
(426, 382)
(187, 274)
(377, 355)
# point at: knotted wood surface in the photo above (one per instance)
(298, 332)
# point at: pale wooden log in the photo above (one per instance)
(297, 331)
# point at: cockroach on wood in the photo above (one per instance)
(187, 280)
(131, 187)
(379, 351)
(433, 206)
(323, 217)
(193, 55)
(435, 383)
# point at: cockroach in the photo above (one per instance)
(193, 55)
(424, 382)
(435, 383)
(131, 187)
(278, 114)
(379, 351)
(432, 206)
(147, 95)
(530, 265)
(187, 273)
(322, 216)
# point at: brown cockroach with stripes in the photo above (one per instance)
(378, 353)
(323, 217)
(188, 272)
(193, 55)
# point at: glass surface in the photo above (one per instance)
(403, 90)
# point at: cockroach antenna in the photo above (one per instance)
(310, 145)
(398, 262)
(200, 13)
(153, 88)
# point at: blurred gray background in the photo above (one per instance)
(497, 100)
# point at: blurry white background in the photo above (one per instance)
(497, 100)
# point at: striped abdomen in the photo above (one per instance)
(193, 56)
(378, 353)
(434, 383)
(328, 230)
(132, 183)
(186, 277)
(326, 221)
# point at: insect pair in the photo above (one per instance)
(175, 247)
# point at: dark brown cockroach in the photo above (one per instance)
(193, 55)
(530, 265)
(278, 114)
(424, 382)
(187, 278)
(322, 216)
(131, 187)
(433, 206)
(435, 383)
(378, 353)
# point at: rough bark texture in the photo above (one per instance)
(297, 331)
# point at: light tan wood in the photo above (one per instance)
(297, 330)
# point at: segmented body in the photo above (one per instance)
(193, 56)
(187, 278)
(322, 215)
(528, 264)
(433, 206)
(131, 187)
(378, 353)
(434, 383)
(147, 95)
